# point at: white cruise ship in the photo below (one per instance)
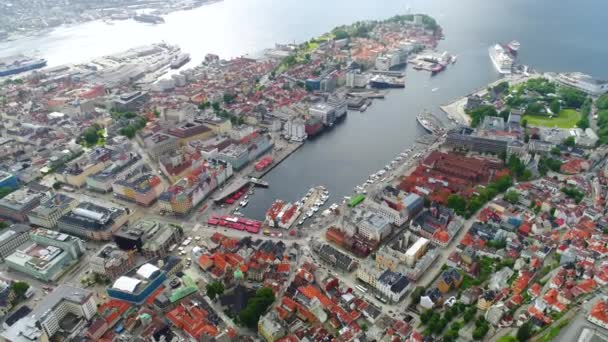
(503, 61)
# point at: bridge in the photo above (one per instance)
(236, 185)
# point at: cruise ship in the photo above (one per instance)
(502, 60)
(514, 46)
(180, 60)
(384, 82)
(18, 64)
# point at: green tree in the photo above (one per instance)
(525, 332)
(416, 294)
(469, 314)
(583, 122)
(5, 190)
(524, 123)
(215, 289)
(572, 98)
(426, 316)
(507, 338)
(256, 306)
(90, 136)
(215, 106)
(128, 131)
(20, 288)
(458, 203)
(602, 102)
(573, 193)
(556, 151)
(340, 34)
(569, 141)
(534, 108)
(555, 106)
(56, 185)
(228, 98)
(481, 112)
(481, 329)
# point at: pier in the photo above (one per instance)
(368, 94)
(236, 185)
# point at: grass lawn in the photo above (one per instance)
(567, 118)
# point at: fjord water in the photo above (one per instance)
(565, 35)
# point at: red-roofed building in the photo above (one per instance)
(534, 290)
(520, 284)
(599, 314)
(584, 287)
(112, 311)
(150, 300)
(193, 320)
(283, 268)
(514, 301)
(205, 262)
(539, 316)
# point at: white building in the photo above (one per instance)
(395, 217)
(355, 79)
(581, 82)
(63, 300)
(295, 130)
(325, 112)
(416, 251)
(370, 225)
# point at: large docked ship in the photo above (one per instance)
(501, 58)
(148, 18)
(180, 60)
(514, 46)
(313, 126)
(17, 64)
(427, 121)
(384, 82)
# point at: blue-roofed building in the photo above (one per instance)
(8, 180)
(138, 284)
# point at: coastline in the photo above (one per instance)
(36, 32)
(455, 110)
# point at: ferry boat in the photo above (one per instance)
(385, 82)
(17, 64)
(501, 58)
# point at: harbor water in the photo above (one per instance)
(555, 36)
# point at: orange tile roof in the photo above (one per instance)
(587, 285)
(289, 304)
(600, 311)
(311, 292)
(155, 294)
(193, 320)
(283, 268)
(204, 261)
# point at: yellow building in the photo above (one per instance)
(270, 329)
(386, 259)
